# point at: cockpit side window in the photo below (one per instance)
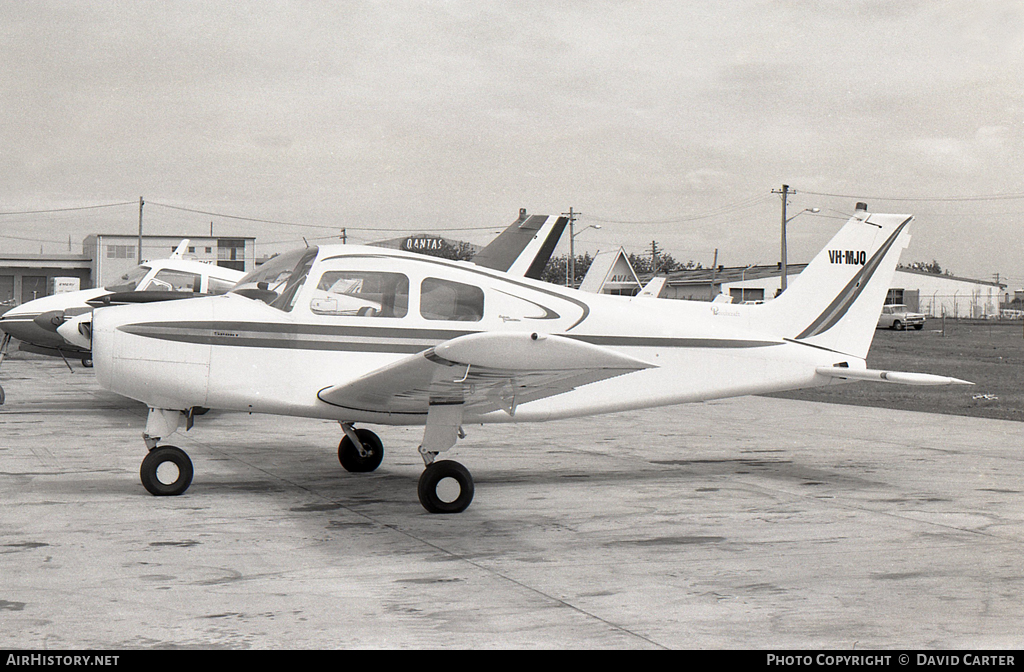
(362, 293)
(130, 280)
(218, 286)
(447, 300)
(278, 281)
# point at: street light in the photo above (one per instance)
(782, 286)
(572, 251)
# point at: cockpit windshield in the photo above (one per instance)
(130, 280)
(278, 281)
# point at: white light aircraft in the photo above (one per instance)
(374, 336)
(41, 324)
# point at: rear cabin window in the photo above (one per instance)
(362, 293)
(447, 300)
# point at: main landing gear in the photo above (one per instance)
(445, 486)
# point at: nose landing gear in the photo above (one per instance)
(166, 471)
(3, 353)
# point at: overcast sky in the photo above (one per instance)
(670, 121)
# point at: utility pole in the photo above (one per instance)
(344, 237)
(141, 203)
(654, 258)
(714, 274)
(571, 270)
(785, 193)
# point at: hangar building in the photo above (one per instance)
(104, 258)
(930, 293)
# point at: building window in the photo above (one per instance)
(120, 251)
(231, 253)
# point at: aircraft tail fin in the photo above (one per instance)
(525, 247)
(835, 302)
(179, 251)
(654, 287)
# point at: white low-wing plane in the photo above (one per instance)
(43, 325)
(368, 335)
(35, 323)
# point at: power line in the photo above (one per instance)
(312, 226)
(247, 219)
(82, 207)
(944, 199)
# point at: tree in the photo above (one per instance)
(666, 264)
(556, 270)
(932, 267)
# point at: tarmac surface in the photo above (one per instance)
(749, 523)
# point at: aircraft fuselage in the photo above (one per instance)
(238, 353)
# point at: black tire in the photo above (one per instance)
(433, 476)
(87, 362)
(3, 397)
(919, 327)
(897, 325)
(155, 479)
(349, 455)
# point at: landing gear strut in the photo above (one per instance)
(166, 470)
(3, 353)
(445, 486)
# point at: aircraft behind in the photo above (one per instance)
(37, 324)
(375, 336)
(60, 325)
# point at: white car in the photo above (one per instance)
(896, 316)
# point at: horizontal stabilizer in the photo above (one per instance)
(901, 377)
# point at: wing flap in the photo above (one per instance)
(484, 372)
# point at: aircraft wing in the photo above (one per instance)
(901, 377)
(143, 296)
(484, 372)
(524, 248)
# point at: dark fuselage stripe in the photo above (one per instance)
(304, 337)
